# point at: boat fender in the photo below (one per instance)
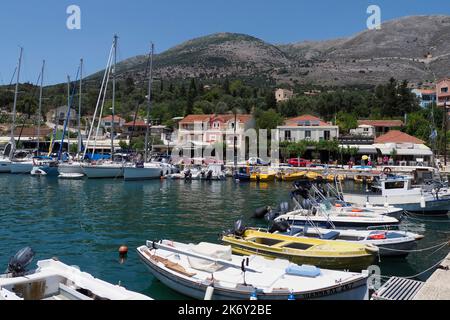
(254, 295)
(209, 292)
(291, 296)
(423, 204)
(260, 212)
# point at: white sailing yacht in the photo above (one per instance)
(70, 168)
(109, 168)
(25, 165)
(145, 170)
(8, 153)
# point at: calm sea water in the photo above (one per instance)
(84, 222)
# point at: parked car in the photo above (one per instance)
(299, 162)
(257, 162)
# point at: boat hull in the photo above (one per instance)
(400, 249)
(24, 167)
(356, 290)
(65, 168)
(5, 166)
(132, 173)
(409, 204)
(322, 223)
(100, 172)
(352, 263)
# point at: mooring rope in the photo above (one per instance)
(440, 246)
(417, 275)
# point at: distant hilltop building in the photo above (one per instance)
(59, 115)
(443, 92)
(426, 96)
(283, 95)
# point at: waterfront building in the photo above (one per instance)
(210, 129)
(307, 127)
(107, 121)
(381, 126)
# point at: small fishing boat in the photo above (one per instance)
(328, 254)
(214, 172)
(210, 271)
(293, 176)
(389, 242)
(398, 191)
(313, 175)
(71, 176)
(243, 174)
(46, 164)
(54, 280)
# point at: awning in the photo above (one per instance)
(407, 152)
(362, 149)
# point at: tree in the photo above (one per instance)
(271, 101)
(346, 121)
(269, 119)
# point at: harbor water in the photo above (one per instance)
(84, 222)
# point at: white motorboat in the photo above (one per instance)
(390, 242)
(210, 271)
(398, 191)
(54, 280)
(70, 167)
(71, 176)
(215, 172)
(37, 172)
(103, 170)
(143, 171)
(46, 164)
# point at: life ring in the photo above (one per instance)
(357, 210)
(387, 170)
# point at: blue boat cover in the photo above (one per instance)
(332, 235)
(303, 270)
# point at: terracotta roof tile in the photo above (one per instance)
(395, 136)
(192, 118)
(306, 117)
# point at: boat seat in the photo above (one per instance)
(332, 235)
(71, 294)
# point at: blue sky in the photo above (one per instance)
(40, 27)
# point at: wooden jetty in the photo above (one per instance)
(437, 287)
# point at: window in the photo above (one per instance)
(444, 90)
(326, 135)
(308, 134)
(287, 135)
(394, 185)
(216, 125)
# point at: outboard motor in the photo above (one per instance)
(261, 212)
(239, 228)
(188, 174)
(209, 175)
(17, 264)
(282, 226)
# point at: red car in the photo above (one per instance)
(299, 162)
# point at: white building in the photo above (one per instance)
(364, 130)
(308, 128)
(207, 130)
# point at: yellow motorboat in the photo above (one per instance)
(313, 175)
(332, 177)
(363, 179)
(327, 254)
(293, 176)
(266, 177)
(262, 177)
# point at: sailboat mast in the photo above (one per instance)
(79, 108)
(113, 96)
(150, 82)
(16, 91)
(68, 118)
(40, 108)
